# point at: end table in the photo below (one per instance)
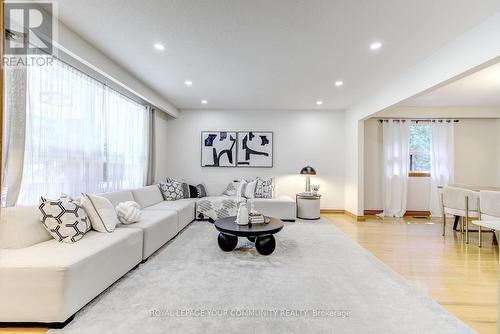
(308, 206)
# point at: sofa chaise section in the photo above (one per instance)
(282, 207)
(49, 282)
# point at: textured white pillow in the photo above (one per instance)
(101, 213)
(250, 189)
(128, 212)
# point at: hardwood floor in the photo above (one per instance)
(462, 278)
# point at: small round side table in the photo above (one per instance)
(308, 206)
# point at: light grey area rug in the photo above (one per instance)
(317, 281)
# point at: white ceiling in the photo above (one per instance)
(480, 89)
(270, 54)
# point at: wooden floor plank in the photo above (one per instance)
(462, 278)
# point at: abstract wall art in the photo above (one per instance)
(218, 148)
(255, 149)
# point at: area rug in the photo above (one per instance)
(317, 281)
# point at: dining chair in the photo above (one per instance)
(459, 202)
(489, 212)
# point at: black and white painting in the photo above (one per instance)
(218, 149)
(255, 149)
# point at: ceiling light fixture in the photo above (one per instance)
(339, 83)
(159, 46)
(319, 102)
(204, 101)
(375, 46)
(188, 83)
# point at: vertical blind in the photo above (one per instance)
(80, 136)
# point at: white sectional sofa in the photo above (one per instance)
(46, 281)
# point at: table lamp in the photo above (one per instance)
(308, 171)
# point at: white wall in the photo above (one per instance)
(477, 155)
(301, 138)
(474, 49)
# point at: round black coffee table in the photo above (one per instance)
(261, 234)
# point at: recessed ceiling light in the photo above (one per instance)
(159, 46)
(319, 102)
(204, 101)
(188, 83)
(375, 46)
(339, 83)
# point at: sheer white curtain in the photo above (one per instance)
(396, 144)
(81, 136)
(442, 160)
(14, 133)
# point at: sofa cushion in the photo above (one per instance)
(157, 227)
(64, 219)
(118, 197)
(20, 227)
(185, 209)
(147, 196)
(50, 281)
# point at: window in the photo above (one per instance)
(420, 145)
(81, 136)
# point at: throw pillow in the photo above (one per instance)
(201, 190)
(171, 190)
(101, 213)
(250, 189)
(64, 219)
(193, 192)
(231, 189)
(128, 212)
(264, 188)
(186, 188)
(241, 188)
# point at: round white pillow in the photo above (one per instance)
(128, 212)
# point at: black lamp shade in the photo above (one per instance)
(308, 170)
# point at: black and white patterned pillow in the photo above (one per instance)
(64, 219)
(188, 191)
(202, 191)
(171, 190)
(264, 188)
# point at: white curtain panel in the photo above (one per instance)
(81, 136)
(14, 133)
(442, 161)
(396, 144)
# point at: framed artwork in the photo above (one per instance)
(218, 148)
(255, 149)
